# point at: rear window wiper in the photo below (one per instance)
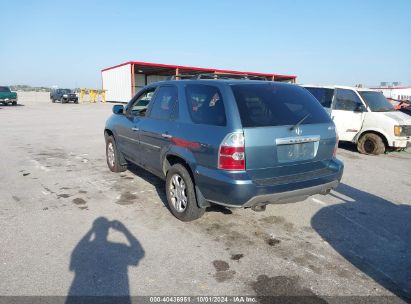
(299, 122)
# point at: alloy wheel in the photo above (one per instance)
(178, 193)
(110, 154)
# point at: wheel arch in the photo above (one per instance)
(380, 134)
(171, 159)
(107, 133)
(176, 158)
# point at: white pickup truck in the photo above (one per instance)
(364, 117)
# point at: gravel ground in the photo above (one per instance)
(69, 226)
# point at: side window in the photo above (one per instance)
(205, 104)
(346, 100)
(140, 105)
(165, 103)
(323, 95)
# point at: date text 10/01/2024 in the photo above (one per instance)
(203, 299)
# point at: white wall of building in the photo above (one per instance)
(117, 83)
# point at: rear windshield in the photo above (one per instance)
(4, 89)
(263, 105)
(323, 95)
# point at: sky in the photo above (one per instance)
(67, 43)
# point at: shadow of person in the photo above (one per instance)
(373, 234)
(101, 266)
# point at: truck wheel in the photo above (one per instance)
(14, 103)
(53, 100)
(371, 143)
(181, 196)
(113, 156)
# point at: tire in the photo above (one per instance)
(181, 196)
(371, 144)
(14, 103)
(53, 100)
(75, 101)
(113, 156)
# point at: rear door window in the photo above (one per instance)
(346, 100)
(262, 105)
(205, 104)
(164, 103)
(323, 95)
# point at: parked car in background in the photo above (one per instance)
(236, 143)
(407, 107)
(7, 96)
(401, 105)
(365, 118)
(63, 95)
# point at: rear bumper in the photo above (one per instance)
(291, 196)
(238, 190)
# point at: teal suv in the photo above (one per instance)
(236, 143)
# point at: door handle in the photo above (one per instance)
(164, 135)
(135, 129)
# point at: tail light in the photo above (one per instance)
(231, 154)
(336, 146)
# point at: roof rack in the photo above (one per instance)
(181, 76)
(217, 76)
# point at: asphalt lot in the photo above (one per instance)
(54, 184)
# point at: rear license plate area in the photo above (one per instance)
(297, 152)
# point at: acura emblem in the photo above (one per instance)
(298, 131)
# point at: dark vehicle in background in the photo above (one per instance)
(407, 110)
(7, 96)
(63, 95)
(404, 106)
(236, 143)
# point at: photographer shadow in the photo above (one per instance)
(101, 266)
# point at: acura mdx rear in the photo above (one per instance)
(237, 143)
(284, 151)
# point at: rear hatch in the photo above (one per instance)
(288, 135)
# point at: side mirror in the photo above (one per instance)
(118, 109)
(360, 108)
